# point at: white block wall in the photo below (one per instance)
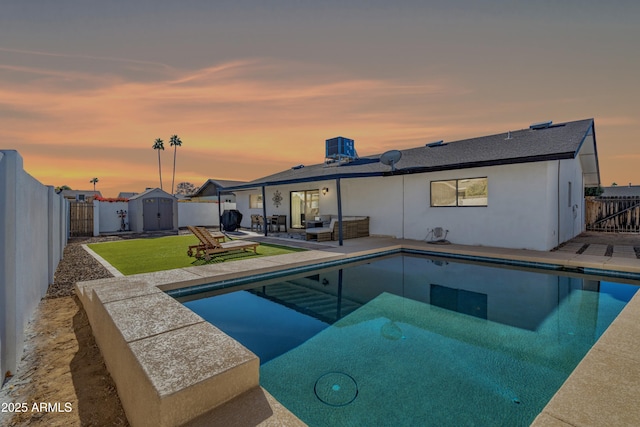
(33, 233)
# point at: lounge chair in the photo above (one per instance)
(197, 231)
(211, 244)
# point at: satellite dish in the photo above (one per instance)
(390, 158)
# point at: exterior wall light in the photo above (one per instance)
(325, 190)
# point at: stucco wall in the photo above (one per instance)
(522, 210)
(201, 214)
(105, 216)
(33, 230)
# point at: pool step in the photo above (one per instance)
(318, 303)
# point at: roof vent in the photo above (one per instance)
(435, 143)
(540, 125)
(297, 167)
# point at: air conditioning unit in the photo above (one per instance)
(339, 148)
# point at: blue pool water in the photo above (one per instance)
(409, 340)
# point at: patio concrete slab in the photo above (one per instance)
(187, 356)
(192, 370)
(596, 249)
(622, 338)
(254, 408)
(149, 315)
(168, 276)
(123, 288)
(600, 392)
(546, 420)
(630, 265)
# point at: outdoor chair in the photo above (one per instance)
(278, 221)
(212, 244)
(257, 221)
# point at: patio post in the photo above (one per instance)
(219, 210)
(339, 212)
(264, 210)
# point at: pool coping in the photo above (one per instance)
(117, 309)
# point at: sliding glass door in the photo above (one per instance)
(304, 205)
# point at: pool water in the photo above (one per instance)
(409, 340)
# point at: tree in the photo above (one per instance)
(593, 191)
(94, 181)
(185, 188)
(61, 188)
(175, 142)
(158, 145)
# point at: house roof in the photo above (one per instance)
(126, 194)
(621, 191)
(74, 193)
(557, 141)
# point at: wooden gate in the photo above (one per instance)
(613, 214)
(80, 219)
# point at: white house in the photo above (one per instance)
(517, 189)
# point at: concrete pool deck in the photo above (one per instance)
(142, 331)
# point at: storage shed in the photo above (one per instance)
(153, 210)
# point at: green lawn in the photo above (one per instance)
(165, 253)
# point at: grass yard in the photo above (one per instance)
(166, 253)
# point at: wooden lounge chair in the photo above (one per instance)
(210, 244)
(198, 231)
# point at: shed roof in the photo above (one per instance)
(557, 141)
(151, 190)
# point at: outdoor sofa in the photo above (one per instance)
(352, 227)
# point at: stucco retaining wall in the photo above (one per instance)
(33, 234)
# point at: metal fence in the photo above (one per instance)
(613, 214)
(80, 219)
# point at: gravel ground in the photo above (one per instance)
(77, 266)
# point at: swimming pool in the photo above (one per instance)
(411, 340)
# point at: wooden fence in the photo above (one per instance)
(80, 219)
(613, 214)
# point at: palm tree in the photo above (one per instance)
(94, 180)
(175, 142)
(158, 145)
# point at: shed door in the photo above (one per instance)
(158, 214)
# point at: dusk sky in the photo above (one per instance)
(253, 88)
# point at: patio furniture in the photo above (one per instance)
(352, 227)
(219, 236)
(322, 234)
(278, 221)
(257, 221)
(210, 244)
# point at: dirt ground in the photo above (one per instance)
(61, 362)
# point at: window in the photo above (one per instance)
(255, 201)
(569, 194)
(459, 192)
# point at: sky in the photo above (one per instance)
(254, 87)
